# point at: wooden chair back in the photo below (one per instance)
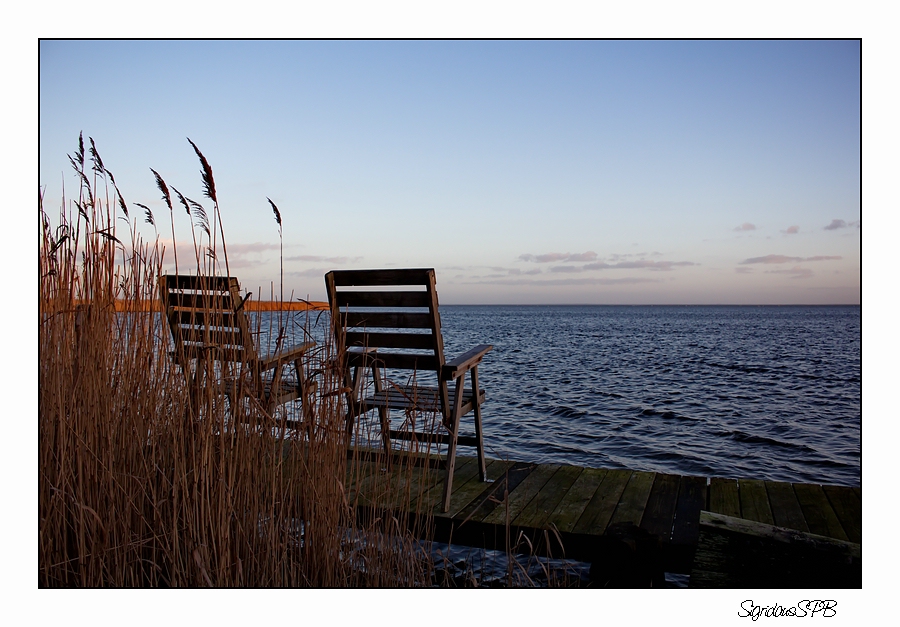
(206, 317)
(377, 312)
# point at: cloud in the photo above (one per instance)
(792, 230)
(551, 257)
(836, 224)
(746, 226)
(320, 259)
(565, 282)
(616, 262)
(743, 270)
(565, 269)
(642, 264)
(795, 273)
(785, 259)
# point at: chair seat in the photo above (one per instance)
(417, 398)
(288, 389)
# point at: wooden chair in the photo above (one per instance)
(206, 317)
(376, 312)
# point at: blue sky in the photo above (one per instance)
(624, 172)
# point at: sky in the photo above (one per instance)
(524, 172)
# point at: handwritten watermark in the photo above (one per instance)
(804, 609)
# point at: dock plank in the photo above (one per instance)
(691, 500)
(659, 514)
(634, 498)
(724, 497)
(474, 503)
(466, 468)
(848, 507)
(755, 501)
(576, 499)
(538, 511)
(519, 498)
(817, 511)
(785, 507)
(599, 510)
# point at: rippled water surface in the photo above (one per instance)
(756, 392)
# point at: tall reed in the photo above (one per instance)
(138, 486)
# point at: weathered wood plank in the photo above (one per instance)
(738, 553)
(576, 499)
(387, 320)
(538, 511)
(755, 501)
(599, 510)
(430, 491)
(389, 340)
(193, 282)
(410, 276)
(475, 492)
(405, 361)
(692, 495)
(659, 514)
(200, 301)
(848, 507)
(634, 498)
(817, 511)
(785, 507)
(418, 298)
(520, 496)
(724, 497)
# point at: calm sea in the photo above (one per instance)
(769, 392)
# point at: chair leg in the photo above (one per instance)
(384, 417)
(451, 449)
(351, 383)
(482, 465)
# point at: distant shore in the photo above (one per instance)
(250, 305)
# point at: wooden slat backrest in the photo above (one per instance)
(205, 315)
(393, 317)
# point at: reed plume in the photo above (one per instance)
(167, 197)
(209, 188)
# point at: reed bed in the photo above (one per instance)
(139, 486)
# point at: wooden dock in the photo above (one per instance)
(582, 513)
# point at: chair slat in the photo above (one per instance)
(205, 335)
(231, 354)
(393, 360)
(387, 320)
(413, 276)
(390, 340)
(196, 300)
(383, 299)
(202, 317)
(189, 282)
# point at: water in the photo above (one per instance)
(751, 392)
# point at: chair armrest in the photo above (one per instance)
(468, 360)
(284, 356)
